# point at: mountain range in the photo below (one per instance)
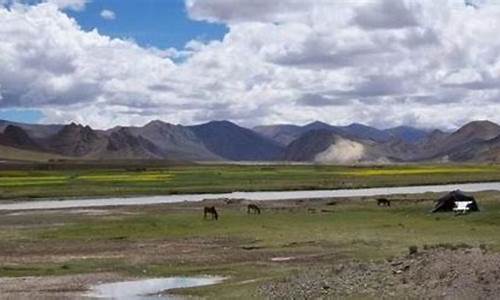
(217, 141)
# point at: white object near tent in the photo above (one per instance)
(462, 207)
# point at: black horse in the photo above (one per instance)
(210, 210)
(383, 202)
(252, 208)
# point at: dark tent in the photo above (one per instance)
(447, 202)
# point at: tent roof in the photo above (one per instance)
(457, 195)
(447, 202)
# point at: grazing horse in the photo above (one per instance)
(383, 202)
(210, 210)
(252, 208)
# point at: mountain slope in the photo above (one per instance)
(122, 144)
(16, 154)
(14, 136)
(35, 131)
(407, 134)
(477, 130)
(174, 141)
(282, 134)
(325, 146)
(285, 134)
(309, 145)
(477, 141)
(364, 132)
(233, 142)
(77, 141)
(469, 136)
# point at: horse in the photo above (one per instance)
(383, 202)
(252, 208)
(210, 210)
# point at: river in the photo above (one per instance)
(259, 196)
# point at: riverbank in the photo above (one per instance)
(257, 253)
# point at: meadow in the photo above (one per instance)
(174, 239)
(77, 181)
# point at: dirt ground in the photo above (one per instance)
(442, 272)
(52, 287)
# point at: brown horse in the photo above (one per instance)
(252, 208)
(383, 202)
(210, 210)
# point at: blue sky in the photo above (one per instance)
(157, 23)
(150, 23)
(21, 115)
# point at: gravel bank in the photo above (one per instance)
(441, 272)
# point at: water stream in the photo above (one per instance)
(259, 196)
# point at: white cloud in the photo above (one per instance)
(76, 5)
(233, 11)
(388, 62)
(70, 4)
(108, 14)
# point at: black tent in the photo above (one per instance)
(447, 202)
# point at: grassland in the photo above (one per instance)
(174, 239)
(9, 153)
(121, 181)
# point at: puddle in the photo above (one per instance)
(148, 288)
(282, 258)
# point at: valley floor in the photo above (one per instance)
(114, 180)
(348, 248)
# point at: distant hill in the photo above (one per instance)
(469, 143)
(285, 134)
(35, 131)
(233, 142)
(309, 145)
(471, 132)
(480, 151)
(317, 142)
(325, 146)
(77, 141)
(408, 134)
(122, 144)
(364, 132)
(173, 141)
(282, 134)
(16, 137)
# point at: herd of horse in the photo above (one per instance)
(211, 211)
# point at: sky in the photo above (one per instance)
(423, 63)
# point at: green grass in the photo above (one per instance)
(355, 230)
(228, 178)
(391, 230)
(78, 266)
